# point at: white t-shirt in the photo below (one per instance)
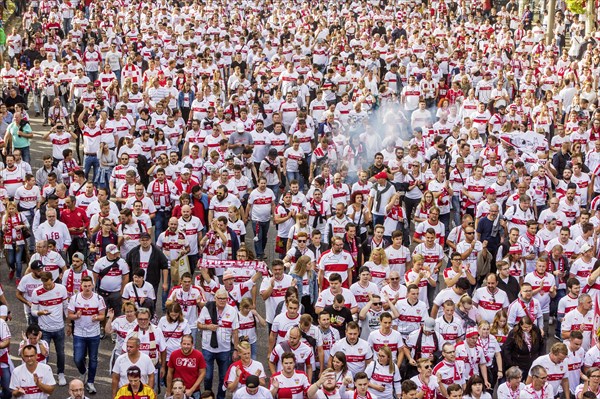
(22, 378)
(123, 363)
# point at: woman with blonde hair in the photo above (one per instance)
(306, 283)
(379, 267)
(492, 351)
(243, 368)
(250, 319)
(420, 276)
(499, 328)
(423, 208)
(300, 226)
(384, 375)
(467, 312)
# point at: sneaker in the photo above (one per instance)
(556, 337)
(90, 388)
(11, 274)
(62, 380)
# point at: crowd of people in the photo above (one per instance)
(399, 197)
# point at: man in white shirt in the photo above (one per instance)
(87, 310)
(49, 303)
(53, 229)
(32, 380)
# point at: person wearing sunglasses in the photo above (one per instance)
(423, 380)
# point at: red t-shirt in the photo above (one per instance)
(187, 367)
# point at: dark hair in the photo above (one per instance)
(408, 386)
(476, 379)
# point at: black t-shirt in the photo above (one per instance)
(339, 319)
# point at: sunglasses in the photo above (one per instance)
(376, 303)
(395, 278)
(301, 240)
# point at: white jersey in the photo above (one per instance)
(277, 295)
(188, 300)
(294, 387)
(172, 332)
(411, 316)
(574, 320)
(392, 340)
(357, 355)
(59, 233)
(55, 302)
(89, 307)
(489, 303)
(228, 321)
(191, 229)
(546, 282)
(556, 372)
(22, 378)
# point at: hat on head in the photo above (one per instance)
(381, 175)
(112, 249)
(36, 265)
(471, 332)
(490, 190)
(252, 381)
(185, 171)
(240, 127)
(429, 324)
(145, 235)
(585, 247)
(515, 249)
(78, 255)
(228, 275)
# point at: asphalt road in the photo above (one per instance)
(39, 148)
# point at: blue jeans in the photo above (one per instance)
(223, 361)
(293, 176)
(260, 230)
(25, 153)
(554, 308)
(161, 220)
(165, 295)
(90, 161)
(254, 351)
(83, 346)
(14, 258)
(456, 209)
(5, 382)
(59, 346)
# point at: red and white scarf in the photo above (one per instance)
(70, 285)
(11, 233)
(158, 192)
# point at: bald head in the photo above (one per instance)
(76, 389)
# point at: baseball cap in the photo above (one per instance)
(145, 235)
(78, 255)
(471, 332)
(252, 381)
(381, 175)
(490, 191)
(36, 265)
(112, 249)
(429, 324)
(585, 247)
(185, 171)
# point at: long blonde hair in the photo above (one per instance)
(382, 256)
(302, 266)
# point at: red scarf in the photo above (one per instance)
(11, 231)
(428, 393)
(550, 266)
(153, 345)
(157, 193)
(529, 309)
(531, 238)
(367, 396)
(513, 394)
(71, 280)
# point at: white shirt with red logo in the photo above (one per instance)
(22, 378)
(489, 303)
(294, 387)
(89, 307)
(556, 372)
(356, 354)
(574, 320)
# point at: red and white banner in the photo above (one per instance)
(257, 265)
